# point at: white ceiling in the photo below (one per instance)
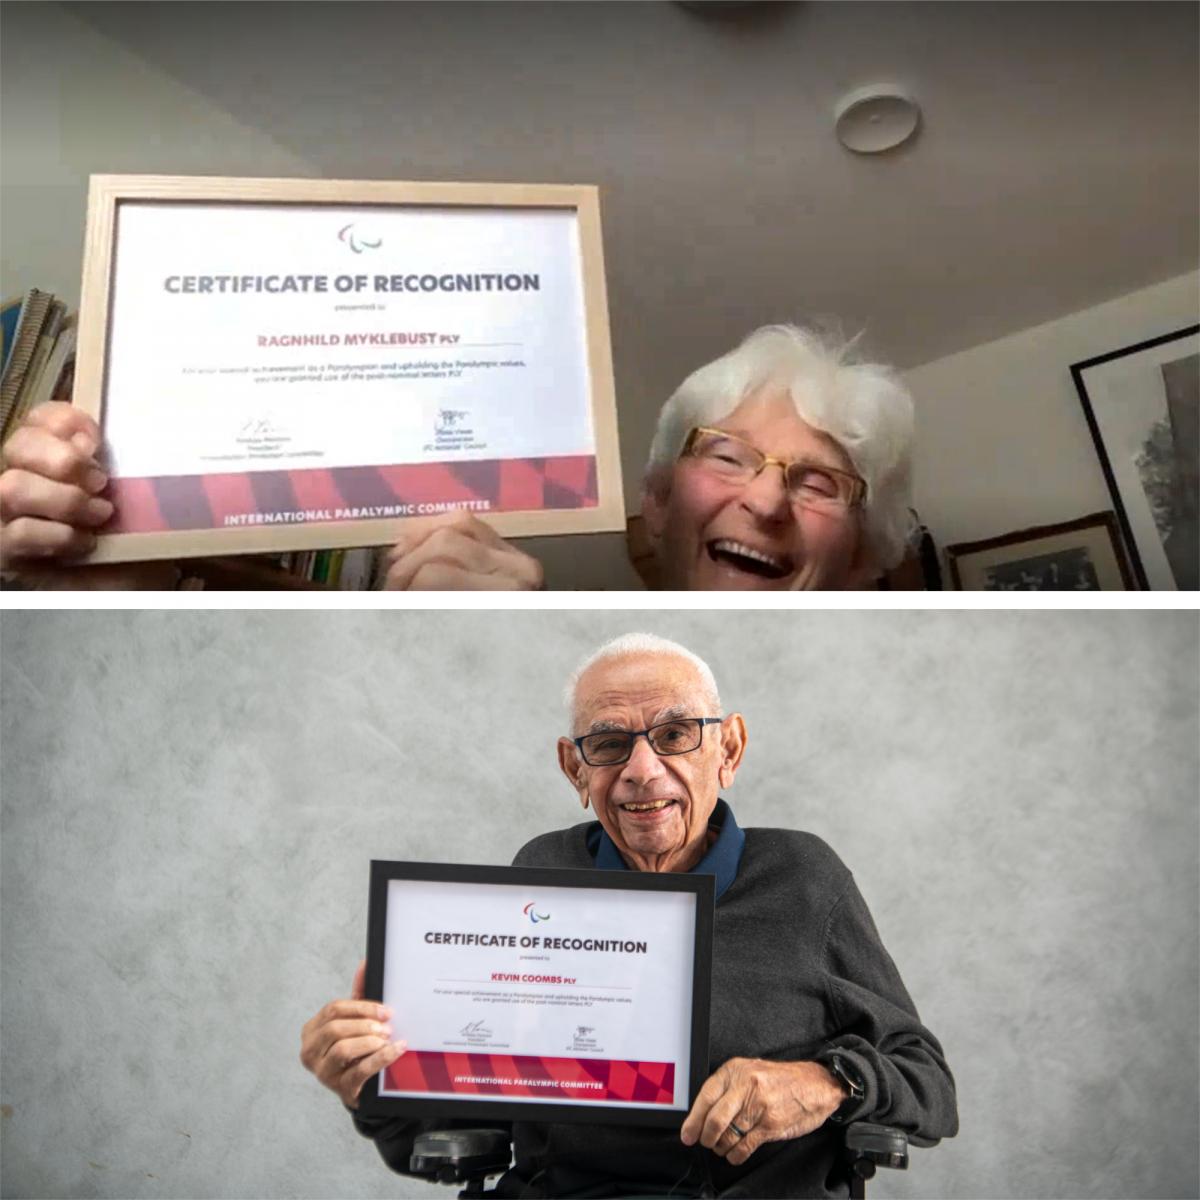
(1057, 166)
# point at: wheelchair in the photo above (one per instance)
(471, 1156)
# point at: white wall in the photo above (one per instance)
(1002, 443)
(77, 103)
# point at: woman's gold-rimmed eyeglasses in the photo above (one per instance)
(809, 484)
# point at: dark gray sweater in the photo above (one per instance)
(798, 971)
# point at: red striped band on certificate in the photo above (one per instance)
(245, 499)
(576, 1079)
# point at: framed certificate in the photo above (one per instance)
(285, 364)
(541, 995)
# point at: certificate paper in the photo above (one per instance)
(516, 988)
(286, 365)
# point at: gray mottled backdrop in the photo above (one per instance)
(190, 801)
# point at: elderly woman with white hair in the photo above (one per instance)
(836, 512)
(784, 464)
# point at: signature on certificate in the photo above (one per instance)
(449, 418)
(258, 427)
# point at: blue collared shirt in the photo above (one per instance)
(721, 859)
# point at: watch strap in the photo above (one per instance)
(848, 1075)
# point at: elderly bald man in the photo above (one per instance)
(784, 464)
(811, 1025)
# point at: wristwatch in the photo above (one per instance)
(847, 1074)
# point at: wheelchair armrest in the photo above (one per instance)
(870, 1146)
(460, 1155)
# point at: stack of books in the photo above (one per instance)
(345, 570)
(38, 357)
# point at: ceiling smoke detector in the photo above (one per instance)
(873, 119)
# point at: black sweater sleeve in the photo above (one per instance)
(393, 1137)
(907, 1081)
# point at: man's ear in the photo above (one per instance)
(733, 746)
(572, 766)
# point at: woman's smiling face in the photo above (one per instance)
(714, 533)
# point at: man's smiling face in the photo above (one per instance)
(655, 808)
(712, 533)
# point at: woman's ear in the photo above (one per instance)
(656, 491)
(864, 568)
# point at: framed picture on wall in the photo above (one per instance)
(1142, 404)
(299, 364)
(1083, 555)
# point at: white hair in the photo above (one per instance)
(643, 643)
(863, 406)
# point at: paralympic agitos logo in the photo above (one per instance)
(356, 239)
(535, 917)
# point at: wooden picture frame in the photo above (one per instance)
(1142, 406)
(165, 515)
(1075, 555)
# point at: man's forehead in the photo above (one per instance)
(641, 680)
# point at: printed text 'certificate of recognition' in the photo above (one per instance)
(530, 993)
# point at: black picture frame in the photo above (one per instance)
(1097, 419)
(702, 887)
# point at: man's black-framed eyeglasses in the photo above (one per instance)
(614, 746)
